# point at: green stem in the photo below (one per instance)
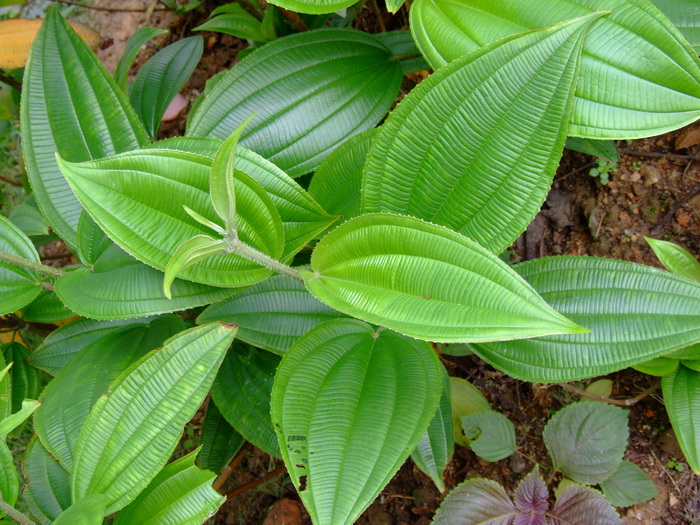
(248, 252)
(31, 265)
(14, 513)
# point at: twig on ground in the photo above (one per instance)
(619, 402)
(669, 215)
(657, 155)
(267, 477)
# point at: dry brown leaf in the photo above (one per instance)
(16, 37)
(688, 139)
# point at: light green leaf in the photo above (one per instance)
(635, 313)
(689, 352)
(9, 481)
(659, 366)
(272, 314)
(7, 425)
(86, 511)
(188, 253)
(48, 484)
(220, 441)
(685, 15)
(394, 5)
(23, 377)
(242, 390)
(692, 364)
(68, 399)
(18, 286)
(92, 241)
(337, 182)
(427, 282)
(628, 486)
(435, 448)
(234, 21)
(161, 78)
(491, 434)
(314, 7)
(181, 493)
(601, 388)
(403, 48)
(675, 258)
(483, 170)
(586, 441)
(681, 392)
(29, 219)
(597, 148)
(46, 308)
(638, 75)
(151, 403)
(466, 399)
(120, 287)
(82, 116)
(341, 450)
(133, 46)
(312, 91)
(5, 389)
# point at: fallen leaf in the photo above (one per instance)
(683, 220)
(688, 139)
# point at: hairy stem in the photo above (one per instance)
(14, 513)
(31, 265)
(248, 252)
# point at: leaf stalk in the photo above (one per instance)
(49, 271)
(235, 245)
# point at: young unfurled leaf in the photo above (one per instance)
(491, 434)
(188, 253)
(682, 397)
(676, 259)
(628, 486)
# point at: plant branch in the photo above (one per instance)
(14, 513)
(267, 477)
(10, 181)
(619, 402)
(7, 79)
(31, 265)
(110, 9)
(294, 19)
(248, 252)
(228, 469)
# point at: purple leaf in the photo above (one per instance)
(531, 494)
(476, 501)
(529, 519)
(580, 506)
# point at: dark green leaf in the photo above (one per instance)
(46, 308)
(682, 397)
(18, 286)
(92, 241)
(220, 441)
(23, 377)
(597, 148)
(491, 434)
(29, 220)
(628, 486)
(48, 488)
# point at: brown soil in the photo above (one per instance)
(647, 196)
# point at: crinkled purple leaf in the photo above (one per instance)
(531, 494)
(580, 505)
(529, 519)
(474, 502)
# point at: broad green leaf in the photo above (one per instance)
(29, 219)
(692, 364)
(676, 259)
(404, 48)
(62, 345)
(628, 486)
(638, 75)
(18, 286)
(597, 148)
(635, 313)
(5, 389)
(69, 398)
(133, 46)
(689, 352)
(9, 481)
(302, 218)
(23, 377)
(435, 448)
(337, 182)
(220, 441)
(682, 397)
(188, 253)
(85, 511)
(234, 21)
(349, 404)
(48, 484)
(9, 424)
(272, 314)
(92, 241)
(161, 78)
(466, 399)
(151, 403)
(312, 91)
(140, 206)
(82, 116)
(427, 282)
(483, 170)
(242, 390)
(314, 7)
(685, 15)
(577, 504)
(476, 501)
(586, 441)
(181, 493)
(46, 308)
(659, 366)
(491, 434)
(120, 287)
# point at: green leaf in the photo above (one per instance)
(337, 182)
(597, 148)
(638, 75)
(476, 501)
(404, 49)
(601, 388)
(341, 450)
(133, 46)
(9, 481)
(312, 91)
(634, 312)
(689, 352)
(272, 314)
(92, 241)
(188, 253)
(5, 389)
(181, 493)
(434, 158)
(69, 398)
(466, 399)
(48, 484)
(676, 259)
(23, 377)
(151, 403)
(86, 511)
(46, 308)
(427, 282)
(685, 15)
(314, 7)
(242, 390)
(63, 344)
(302, 218)
(120, 287)
(161, 78)
(491, 434)
(692, 364)
(586, 441)
(140, 207)
(659, 366)
(82, 116)
(220, 442)
(435, 448)
(7, 425)
(18, 286)
(234, 21)
(681, 392)
(29, 220)
(628, 486)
